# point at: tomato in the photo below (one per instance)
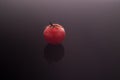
(54, 34)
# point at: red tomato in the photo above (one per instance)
(54, 34)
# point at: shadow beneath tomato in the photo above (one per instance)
(53, 53)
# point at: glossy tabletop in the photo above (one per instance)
(90, 51)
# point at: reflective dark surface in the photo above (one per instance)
(53, 53)
(90, 51)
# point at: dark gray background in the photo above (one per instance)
(90, 51)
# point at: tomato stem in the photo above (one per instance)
(51, 23)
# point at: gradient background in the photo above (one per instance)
(90, 51)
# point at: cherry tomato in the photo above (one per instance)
(54, 34)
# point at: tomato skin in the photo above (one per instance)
(54, 34)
